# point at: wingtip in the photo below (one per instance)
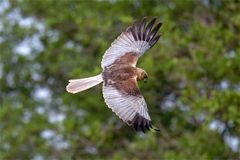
(145, 31)
(153, 128)
(154, 19)
(140, 123)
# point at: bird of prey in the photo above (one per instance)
(120, 74)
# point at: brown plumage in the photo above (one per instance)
(120, 74)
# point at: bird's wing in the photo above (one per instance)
(125, 99)
(137, 39)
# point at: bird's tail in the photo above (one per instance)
(78, 85)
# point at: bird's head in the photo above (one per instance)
(145, 77)
(142, 75)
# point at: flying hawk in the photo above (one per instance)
(120, 74)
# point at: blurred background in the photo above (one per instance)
(193, 92)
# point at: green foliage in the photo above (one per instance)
(193, 80)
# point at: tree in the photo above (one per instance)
(193, 91)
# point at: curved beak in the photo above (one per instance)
(145, 80)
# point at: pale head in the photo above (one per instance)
(142, 75)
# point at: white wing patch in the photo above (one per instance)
(125, 106)
(125, 43)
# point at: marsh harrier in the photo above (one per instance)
(120, 74)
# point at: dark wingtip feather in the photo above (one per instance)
(134, 123)
(149, 28)
(136, 30)
(154, 41)
(143, 31)
(142, 28)
(133, 33)
(154, 31)
(129, 29)
(140, 123)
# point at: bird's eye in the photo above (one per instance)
(145, 76)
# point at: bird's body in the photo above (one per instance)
(120, 75)
(121, 78)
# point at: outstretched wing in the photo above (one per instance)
(137, 39)
(125, 99)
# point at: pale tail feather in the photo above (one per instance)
(78, 85)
